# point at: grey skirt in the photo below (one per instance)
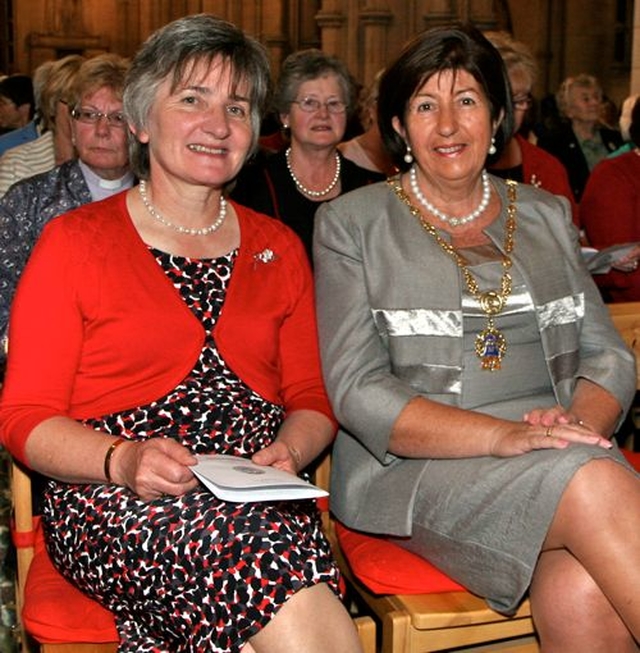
(483, 520)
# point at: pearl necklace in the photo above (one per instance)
(304, 189)
(453, 221)
(204, 231)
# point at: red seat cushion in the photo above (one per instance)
(386, 568)
(57, 612)
(633, 457)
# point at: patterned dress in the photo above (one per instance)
(190, 573)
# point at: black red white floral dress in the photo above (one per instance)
(190, 573)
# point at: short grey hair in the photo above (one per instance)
(306, 65)
(172, 52)
(57, 88)
(563, 96)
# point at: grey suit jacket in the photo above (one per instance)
(390, 326)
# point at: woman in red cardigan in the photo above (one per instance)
(167, 322)
(610, 207)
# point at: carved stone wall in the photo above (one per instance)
(566, 36)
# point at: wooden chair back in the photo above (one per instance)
(626, 318)
(24, 536)
(419, 623)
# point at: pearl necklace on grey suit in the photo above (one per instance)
(453, 221)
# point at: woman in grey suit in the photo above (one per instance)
(474, 369)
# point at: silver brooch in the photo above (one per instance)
(265, 256)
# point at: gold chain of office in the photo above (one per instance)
(490, 344)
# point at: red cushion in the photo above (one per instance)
(56, 612)
(386, 568)
(633, 457)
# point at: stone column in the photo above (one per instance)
(331, 21)
(274, 33)
(635, 51)
(375, 21)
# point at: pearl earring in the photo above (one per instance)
(492, 147)
(408, 157)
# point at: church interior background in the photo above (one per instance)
(567, 37)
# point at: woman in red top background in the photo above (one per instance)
(610, 209)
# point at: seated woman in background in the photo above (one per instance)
(166, 322)
(610, 211)
(54, 146)
(99, 170)
(624, 123)
(313, 98)
(520, 159)
(580, 140)
(472, 365)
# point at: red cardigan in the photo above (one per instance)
(97, 327)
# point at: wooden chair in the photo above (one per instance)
(54, 616)
(626, 318)
(436, 620)
(432, 620)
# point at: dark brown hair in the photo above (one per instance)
(458, 47)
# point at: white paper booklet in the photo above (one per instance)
(600, 261)
(232, 478)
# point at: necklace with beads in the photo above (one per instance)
(204, 231)
(490, 343)
(453, 221)
(308, 191)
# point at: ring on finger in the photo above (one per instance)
(549, 431)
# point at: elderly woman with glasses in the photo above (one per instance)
(314, 98)
(580, 140)
(521, 160)
(99, 169)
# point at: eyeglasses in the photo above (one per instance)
(311, 105)
(522, 102)
(93, 116)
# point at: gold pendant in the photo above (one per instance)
(491, 302)
(490, 347)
